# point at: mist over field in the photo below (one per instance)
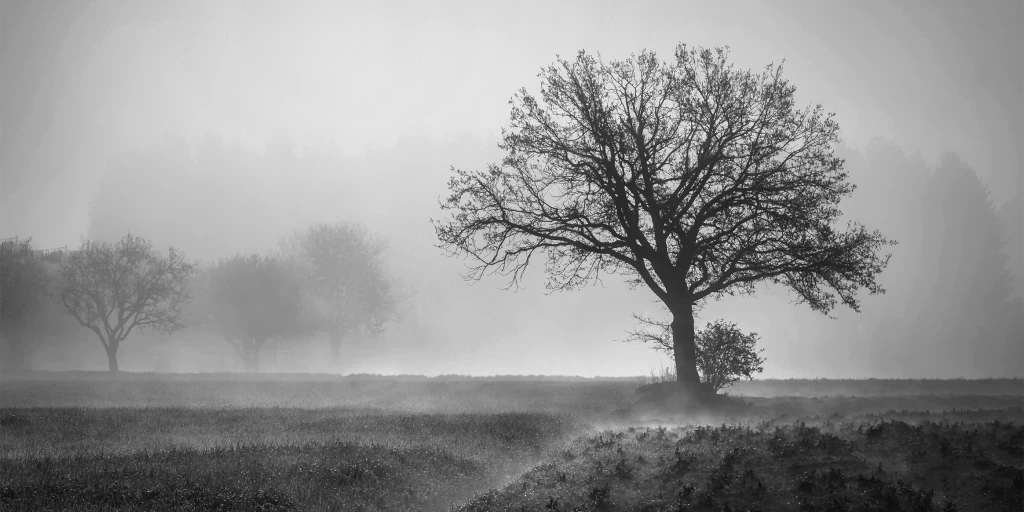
(221, 127)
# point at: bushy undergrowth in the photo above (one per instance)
(887, 465)
(246, 443)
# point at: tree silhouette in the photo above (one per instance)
(695, 179)
(111, 289)
(250, 300)
(967, 293)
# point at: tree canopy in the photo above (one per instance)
(693, 178)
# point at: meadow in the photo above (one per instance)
(92, 441)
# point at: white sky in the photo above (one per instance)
(85, 80)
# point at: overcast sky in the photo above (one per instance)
(83, 81)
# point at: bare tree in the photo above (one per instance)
(693, 178)
(251, 300)
(114, 288)
(347, 279)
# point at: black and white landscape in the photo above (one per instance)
(647, 256)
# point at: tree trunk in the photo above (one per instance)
(112, 359)
(684, 346)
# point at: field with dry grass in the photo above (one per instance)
(82, 441)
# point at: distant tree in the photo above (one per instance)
(111, 289)
(695, 179)
(967, 294)
(345, 275)
(890, 191)
(25, 292)
(251, 300)
(205, 313)
(724, 353)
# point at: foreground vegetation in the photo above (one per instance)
(869, 464)
(262, 459)
(149, 442)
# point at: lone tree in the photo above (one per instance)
(691, 177)
(345, 274)
(113, 288)
(724, 353)
(251, 300)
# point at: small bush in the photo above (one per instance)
(725, 354)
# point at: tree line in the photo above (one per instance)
(328, 278)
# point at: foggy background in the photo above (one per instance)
(218, 127)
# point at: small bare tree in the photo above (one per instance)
(724, 353)
(114, 288)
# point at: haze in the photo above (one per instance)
(217, 127)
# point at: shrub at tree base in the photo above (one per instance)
(724, 354)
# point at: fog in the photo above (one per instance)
(219, 127)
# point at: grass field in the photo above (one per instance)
(81, 441)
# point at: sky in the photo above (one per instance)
(84, 82)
